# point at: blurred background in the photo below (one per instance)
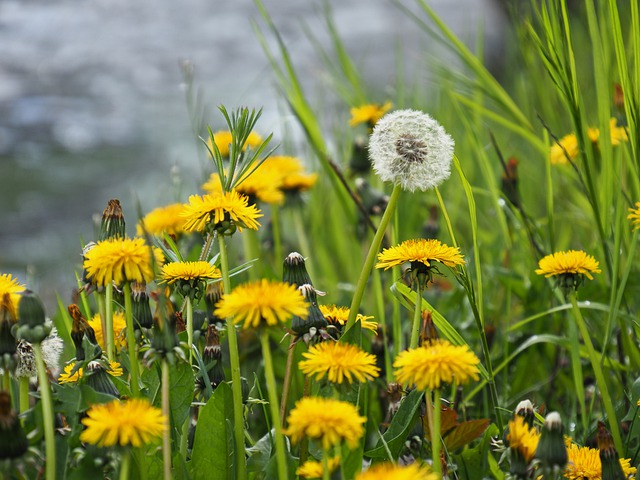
(92, 101)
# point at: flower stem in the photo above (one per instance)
(371, 256)
(134, 382)
(102, 310)
(108, 321)
(600, 378)
(236, 386)
(190, 328)
(124, 466)
(326, 475)
(417, 317)
(206, 248)
(24, 394)
(277, 237)
(272, 391)
(166, 435)
(287, 379)
(435, 433)
(47, 414)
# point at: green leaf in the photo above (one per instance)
(181, 391)
(213, 444)
(464, 433)
(474, 463)
(399, 429)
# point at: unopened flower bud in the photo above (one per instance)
(32, 324)
(294, 271)
(112, 225)
(140, 305)
(315, 318)
(611, 468)
(98, 379)
(552, 451)
(79, 330)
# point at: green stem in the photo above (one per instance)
(272, 391)
(102, 310)
(24, 394)
(398, 343)
(277, 237)
(206, 248)
(166, 435)
(251, 248)
(190, 328)
(371, 256)
(326, 475)
(236, 386)
(578, 379)
(417, 317)
(600, 378)
(109, 341)
(134, 382)
(287, 379)
(435, 433)
(124, 466)
(381, 317)
(47, 414)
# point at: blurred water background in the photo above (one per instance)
(92, 101)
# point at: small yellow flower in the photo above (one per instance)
(327, 420)
(262, 302)
(340, 315)
(223, 139)
(294, 179)
(429, 366)
(568, 146)
(571, 262)
(215, 209)
(134, 422)
(10, 285)
(121, 260)
(388, 471)
(584, 464)
(420, 250)
(340, 362)
(313, 469)
(369, 113)
(634, 216)
(163, 220)
(115, 370)
(523, 438)
(187, 271)
(262, 185)
(618, 134)
(119, 329)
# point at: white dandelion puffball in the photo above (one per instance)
(411, 149)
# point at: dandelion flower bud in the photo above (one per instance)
(551, 450)
(411, 149)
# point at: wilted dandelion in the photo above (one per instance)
(411, 149)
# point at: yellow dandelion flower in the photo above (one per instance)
(313, 469)
(339, 362)
(422, 251)
(568, 146)
(339, 316)
(115, 370)
(327, 420)
(584, 464)
(369, 113)
(261, 302)
(294, 179)
(570, 262)
(174, 271)
(223, 140)
(262, 185)
(215, 209)
(386, 471)
(134, 422)
(634, 216)
(10, 285)
(618, 134)
(119, 329)
(163, 220)
(121, 260)
(429, 366)
(523, 438)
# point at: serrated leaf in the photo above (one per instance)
(464, 433)
(181, 391)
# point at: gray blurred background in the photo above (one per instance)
(92, 101)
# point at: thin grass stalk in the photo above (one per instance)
(371, 256)
(166, 434)
(236, 386)
(600, 378)
(47, 414)
(272, 391)
(108, 325)
(131, 342)
(277, 234)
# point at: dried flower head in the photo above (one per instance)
(411, 149)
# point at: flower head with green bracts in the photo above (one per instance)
(222, 213)
(338, 316)
(327, 420)
(369, 113)
(522, 439)
(10, 285)
(69, 376)
(568, 268)
(339, 362)
(411, 149)
(634, 216)
(440, 362)
(584, 463)
(121, 260)
(261, 303)
(162, 220)
(189, 277)
(134, 422)
(386, 471)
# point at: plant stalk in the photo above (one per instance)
(47, 414)
(108, 323)
(132, 346)
(166, 435)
